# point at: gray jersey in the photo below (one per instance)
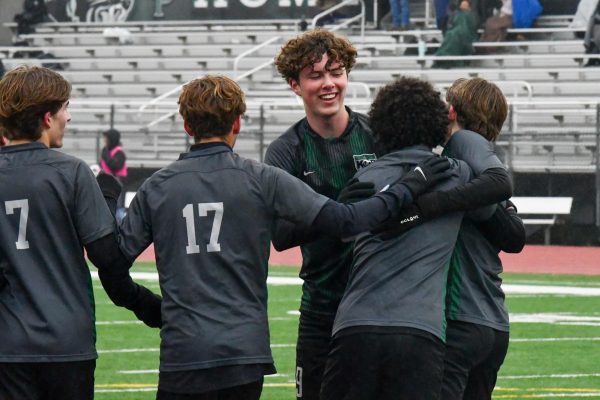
(50, 206)
(209, 215)
(474, 285)
(401, 282)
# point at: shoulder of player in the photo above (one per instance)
(291, 138)
(465, 137)
(364, 121)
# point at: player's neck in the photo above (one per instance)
(453, 128)
(329, 127)
(16, 142)
(228, 139)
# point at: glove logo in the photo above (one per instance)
(363, 160)
(409, 219)
(418, 169)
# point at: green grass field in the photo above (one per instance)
(554, 350)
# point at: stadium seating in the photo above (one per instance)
(554, 105)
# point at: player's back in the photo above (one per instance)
(401, 282)
(50, 205)
(209, 215)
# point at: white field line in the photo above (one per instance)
(560, 339)
(508, 289)
(546, 395)
(553, 376)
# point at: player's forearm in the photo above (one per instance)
(346, 220)
(505, 230)
(287, 234)
(492, 186)
(113, 270)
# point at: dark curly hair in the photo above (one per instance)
(308, 49)
(407, 112)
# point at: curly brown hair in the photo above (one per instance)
(210, 105)
(408, 112)
(308, 49)
(26, 94)
(480, 106)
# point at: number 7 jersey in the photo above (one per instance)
(50, 206)
(209, 215)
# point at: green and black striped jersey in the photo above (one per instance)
(325, 165)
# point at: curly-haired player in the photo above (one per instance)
(389, 331)
(324, 149)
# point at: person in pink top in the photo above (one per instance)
(114, 162)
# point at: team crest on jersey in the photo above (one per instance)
(363, 160)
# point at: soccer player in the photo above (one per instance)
(478, 326)
(477, 331)
(209, 215)
(50, 209)
(324, 149)
(388, 334)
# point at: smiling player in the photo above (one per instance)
(324, 149)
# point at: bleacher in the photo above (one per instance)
(553, 125)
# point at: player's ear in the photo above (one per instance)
(237, 125)
(47, 119)
(451, 113)
(295, 86)
(187, 128)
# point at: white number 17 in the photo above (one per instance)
(203, 209)
(23, 204)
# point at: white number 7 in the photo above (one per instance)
(203, 209)
(23, 204)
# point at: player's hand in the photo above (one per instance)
(109, 185)
(408, 218)
(356, 191)
(148, 308)
(427, 174)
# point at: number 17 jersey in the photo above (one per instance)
(209, 215)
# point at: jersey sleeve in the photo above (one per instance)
(289, 197)
(280, 154)
(475, 150)
(135, 232)
(92, 217)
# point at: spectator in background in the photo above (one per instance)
(592, 37)
(114, 162)
(34, 12)
(459, 38)
(496, 26)
(400, 10)
(581, 19)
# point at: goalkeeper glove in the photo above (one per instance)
(427, 174)
(355, 191)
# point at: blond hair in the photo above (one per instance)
(210, 105)
(480, 106)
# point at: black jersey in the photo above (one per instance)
(50, 206)
(325, 165)
(209, 215)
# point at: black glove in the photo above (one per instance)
(408, 218)
(147, 308)
(356, 191)
(425, 175)
(109, 185)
